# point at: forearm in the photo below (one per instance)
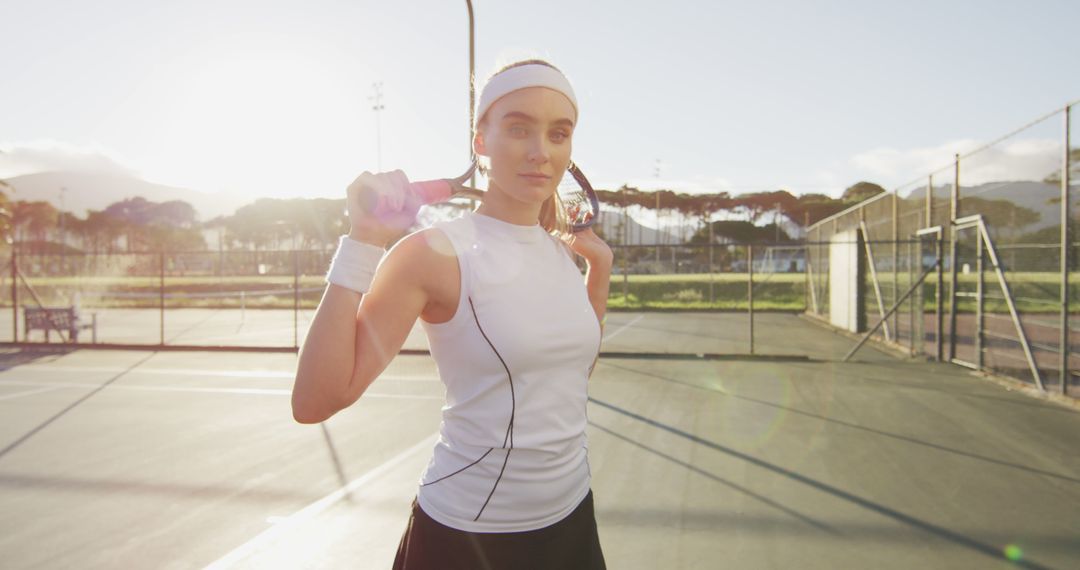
(598, 283)
(327, 357)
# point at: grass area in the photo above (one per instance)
(702, 291)
(1033, 292)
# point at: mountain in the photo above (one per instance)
(1040, 197)
(96, 190)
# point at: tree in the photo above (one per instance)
(7, 225)
(812, 208)
(1074, 170)
(33, 220)
(739, 231)
(756, 204)
(860, 191)
(1002, 216)
(153, 226)
(103, 231)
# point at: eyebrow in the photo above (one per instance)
(531, 119)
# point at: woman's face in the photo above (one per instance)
(527, 135)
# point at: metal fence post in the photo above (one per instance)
(624, 241)
(954, 210)
(939, 251)
(929, 201)
(712, 268)
(1065, 209)
(296, 298)
(14, 293)
(915, 302)
(161, 296)
(979, 294)
(895, 262)
(750, 290)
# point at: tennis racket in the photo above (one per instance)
(576, 194)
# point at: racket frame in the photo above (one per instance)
(460, 189)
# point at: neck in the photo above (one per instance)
(497, 204)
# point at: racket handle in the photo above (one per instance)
(424, 192)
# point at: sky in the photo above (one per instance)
(267, 98)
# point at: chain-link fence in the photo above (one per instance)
(1007, 215)
(252, 299)
(266, 299)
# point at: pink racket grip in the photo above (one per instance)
(431, 191)
(426, 192)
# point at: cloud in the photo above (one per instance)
(1020, 159)
(48, 155)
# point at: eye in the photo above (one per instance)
(559, 136)
(518, 130)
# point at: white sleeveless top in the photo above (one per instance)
(515, 359)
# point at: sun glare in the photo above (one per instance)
(256, 122)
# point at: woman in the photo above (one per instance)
(513, 330)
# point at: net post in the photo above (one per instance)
(1065, 209)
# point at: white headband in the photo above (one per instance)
(520, 77)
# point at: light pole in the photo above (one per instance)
(472, 89)
(377, 107)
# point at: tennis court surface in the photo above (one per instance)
(129, 459)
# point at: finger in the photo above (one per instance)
(384, 191)
(353, 190)
(400, 183)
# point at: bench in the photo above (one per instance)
(57, 319)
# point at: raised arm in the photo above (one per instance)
(354, 336)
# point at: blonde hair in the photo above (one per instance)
(552, 215)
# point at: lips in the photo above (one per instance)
(535, 175)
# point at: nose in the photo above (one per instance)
(539, 152)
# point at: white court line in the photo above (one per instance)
(189, 372)
(30, 392)
(256, 391)
(624, 327)
(163, 371)
(312, 510)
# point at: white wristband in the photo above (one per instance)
(353, 266)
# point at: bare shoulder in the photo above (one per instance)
(428, 244)
(428, 252)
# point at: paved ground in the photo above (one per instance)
(189, 460)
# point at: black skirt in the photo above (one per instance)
(570, 544)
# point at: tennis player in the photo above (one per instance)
(514, 330)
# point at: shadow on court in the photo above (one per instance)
(192, 460)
